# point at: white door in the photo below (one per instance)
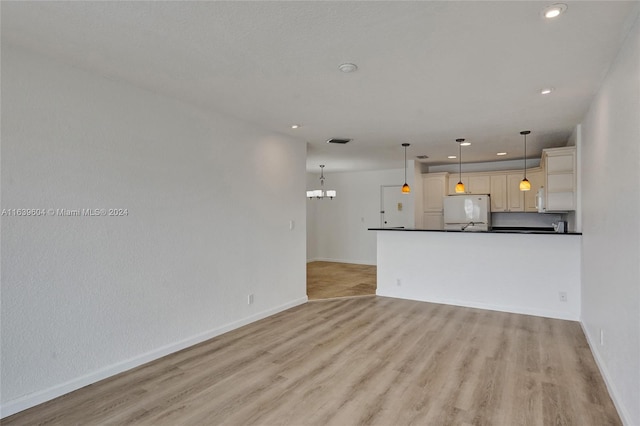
(394, 207)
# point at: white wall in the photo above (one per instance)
(209, 204)
(611, 241)
(340, 230)
(520, 273)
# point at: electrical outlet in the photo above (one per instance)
(398, 282)
(250, 299)
(563, 296)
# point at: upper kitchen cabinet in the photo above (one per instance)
(523, 201)
(479, 183)
(505, 191)
(499, 193)
(559, 178)
(515, 197)
(536, 179)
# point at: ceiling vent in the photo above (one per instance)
(338, 140)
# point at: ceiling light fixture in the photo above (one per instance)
(452, 157)
(405, 187)
(525, 185)
(348, 67)
(422, 157)
(320, 193)
(460, 185)
(546, 90)
(295, 126)
(554, 10)
(465, 144)
(501, 153)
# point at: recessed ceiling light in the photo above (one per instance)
(554, 10)
(295, 126)
(347, 67)
(546, 90)
(501, 153)
(452, 157)
(465, 143)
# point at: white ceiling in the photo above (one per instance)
(428, 72)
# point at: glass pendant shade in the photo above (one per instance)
(460, 188)
(405, 188)
(525, 185)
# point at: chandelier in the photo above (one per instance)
(321, 193)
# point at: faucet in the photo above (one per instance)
(467, 225)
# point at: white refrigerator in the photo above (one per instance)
(467, 213)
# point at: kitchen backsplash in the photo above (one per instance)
(525, 220)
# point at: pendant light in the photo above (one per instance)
(405, 187)
(525, 185)
(460, 185)
(321, 193)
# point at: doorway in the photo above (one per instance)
(326, 280)
(394, 211)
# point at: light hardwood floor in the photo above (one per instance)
(332, 279)
(352, 361)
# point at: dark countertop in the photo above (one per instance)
(537, 231)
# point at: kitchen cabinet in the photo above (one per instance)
(536, 178)
(473, 183)
(498, 193)
(506, 195)
(433, 220)
(515, 197)
(503, 186)
(559, 178)
(479, 184)
(434, 188)
(523, 201)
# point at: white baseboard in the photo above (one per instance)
(327, 259)
(33, 399)
(489, 307)
(622, 412)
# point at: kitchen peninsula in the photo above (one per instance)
(530, 272)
